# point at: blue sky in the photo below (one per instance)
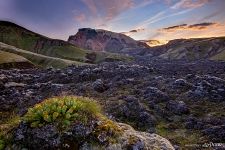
(140, 19)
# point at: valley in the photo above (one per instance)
(172, 95)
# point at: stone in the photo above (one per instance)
(100, 86)
(14, 84)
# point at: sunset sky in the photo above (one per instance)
(140, 19)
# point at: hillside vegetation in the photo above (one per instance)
(22, 38)
(36, 59)
(194, 49)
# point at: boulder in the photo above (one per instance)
(100, 86)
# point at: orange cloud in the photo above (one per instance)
(201, 30)
(182, 27)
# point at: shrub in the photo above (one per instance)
(63, 111)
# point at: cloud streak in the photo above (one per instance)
(134, 31)
(183, 27)
(190, 4)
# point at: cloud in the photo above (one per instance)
(206, 30)
(91, 5)
(212, 14)
(190, 4)
(137, 30)
(202, 26)
(183, 27)
(177, 27)
(108, 9)
(80, 18)
(161, 16)
(131, 32)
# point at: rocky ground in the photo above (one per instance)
(181, 101)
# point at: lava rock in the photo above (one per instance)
(181, 83)
(154, 94)
(216, 133)
(100, 86)
(2, 86)
(177, 108)
(46, 137)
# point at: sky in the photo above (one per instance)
(140, 19)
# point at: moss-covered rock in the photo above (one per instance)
(77, 123)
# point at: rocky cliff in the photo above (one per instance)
(102, 40)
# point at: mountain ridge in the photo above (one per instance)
(22, 38)
(103, 40)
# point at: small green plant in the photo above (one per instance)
(2, 144)
(62, 110)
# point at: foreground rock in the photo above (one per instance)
(73, 122)
(81, 137)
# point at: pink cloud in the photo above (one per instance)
(80, 18)
(108, 9)
(190, 4)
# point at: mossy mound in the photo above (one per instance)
(63, 111)
(77, 123)
(65, 121)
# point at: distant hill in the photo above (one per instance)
(103, 40)
(190, 49)
(24, 39)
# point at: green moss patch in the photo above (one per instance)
(63, 111)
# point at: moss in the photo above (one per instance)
(62, 111)
(132, 140)
(108, 128)
(6, 128)
(2, 144)
(179, 136)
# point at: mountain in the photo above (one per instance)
(99, 40)
(103, 40)
(190, 49)
(15, 35)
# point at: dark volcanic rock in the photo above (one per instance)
(46, 137)
(2, 86)
(178, 108)
(216, 133)
(100, 86)
(154, 94)
(50, 137)
(143, 93)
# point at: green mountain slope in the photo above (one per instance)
(15, 55)
(22, 38)
(194, 49)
